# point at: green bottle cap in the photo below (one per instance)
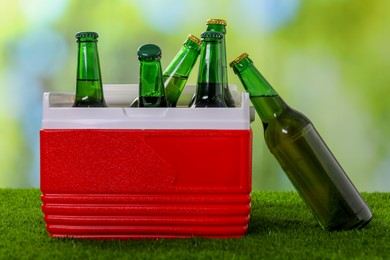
(149, 52)
(216, 21)
(87, 35)
(211, 34)
(238, 59)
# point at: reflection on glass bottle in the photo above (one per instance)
(89, 87)
(303, 155)
(151, 85)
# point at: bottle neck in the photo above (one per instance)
(184, 61)
(222, 29)
(88, 67)
(151, 82)
(268, 104)
(210, 66)
(89, 87)
(268, 107)
(209, 86)
(216, 28)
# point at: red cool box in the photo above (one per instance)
(122, 172)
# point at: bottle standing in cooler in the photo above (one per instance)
(209, 89)
(89, 87)
(219, 25)
(151, 85)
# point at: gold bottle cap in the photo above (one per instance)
(238, 59)
(194, 39)
(216, 21)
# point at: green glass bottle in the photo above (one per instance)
(303, 155)
(219, 25)
(209, 89)
(151, 85)
(176, 74)
(89, 87)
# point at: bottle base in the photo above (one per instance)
(358, 221)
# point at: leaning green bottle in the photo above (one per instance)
(209, 88)
(219, 25)
(151, 85)
(177, 72)
(303, 155)
(89, 87)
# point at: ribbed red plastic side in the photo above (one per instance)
(146, 183)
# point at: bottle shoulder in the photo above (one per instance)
(288, 125)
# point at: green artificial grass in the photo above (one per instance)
(281, 227)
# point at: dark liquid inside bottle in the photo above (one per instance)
(313, 170)
(173, 88)
(209, 95)
(89, 94)
(152, 101)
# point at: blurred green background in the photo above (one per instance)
(328, 59)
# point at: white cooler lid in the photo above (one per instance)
(58, 113)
